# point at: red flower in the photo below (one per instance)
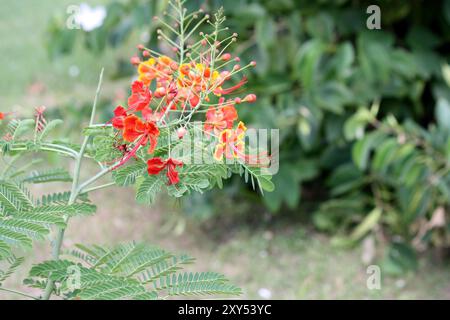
(156, 165)
(119, 116)
(2, 116)
(172, 173)
(140, 96)
(135, 128)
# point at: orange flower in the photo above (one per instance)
(144, 132)
(231, 143)
(140, 96)
(160, 69)
(221, 118)
(156, 165)
(147, 71)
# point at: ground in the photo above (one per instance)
(277, 260)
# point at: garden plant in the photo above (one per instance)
(182, 106)
(364, 114)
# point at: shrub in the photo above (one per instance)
(136, 147)
(319, 72)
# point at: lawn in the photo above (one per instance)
(274, 260)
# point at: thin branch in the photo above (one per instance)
(19, 293)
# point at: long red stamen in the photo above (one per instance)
(233, 88)
(131, 153)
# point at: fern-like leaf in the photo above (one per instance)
(52, 175)
(13, 263)
(148, 189)
(128, 271)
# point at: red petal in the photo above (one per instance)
(155, 165)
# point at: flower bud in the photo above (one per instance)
(225, 57)
(250, 98)
(146, 54)
(159, 92)
(141, 47)
(135, 60)
(181, 132)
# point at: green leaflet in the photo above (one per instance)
(127, 271)
(148, 188)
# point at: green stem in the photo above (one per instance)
(56, 249)
(18, 293)
(103, 186)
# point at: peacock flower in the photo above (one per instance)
(220, 118)
(161, 69)
(231, 143)
(156, 165)
(140, 96)
(146, 71)
(142, 132)
(119, 116)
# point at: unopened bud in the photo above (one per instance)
(159, 92)
(135, 60)
(181, 132)
(250, 98)
(226, 57)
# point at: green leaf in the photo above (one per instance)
(14, 198)
(23, 127)
(362, 148)
(369, 222)
(127, 271)
(50, 127)
(13, 263)
(443, 113)
(400, 258)
(127, 175)
(51, 175)
(148, 189)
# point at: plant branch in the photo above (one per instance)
(19, 293)
(57, 243)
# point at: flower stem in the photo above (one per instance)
(57, 243)
(103, 186)
(18, 293)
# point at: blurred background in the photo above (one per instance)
(364, 119)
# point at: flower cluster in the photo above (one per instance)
(170, 91)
